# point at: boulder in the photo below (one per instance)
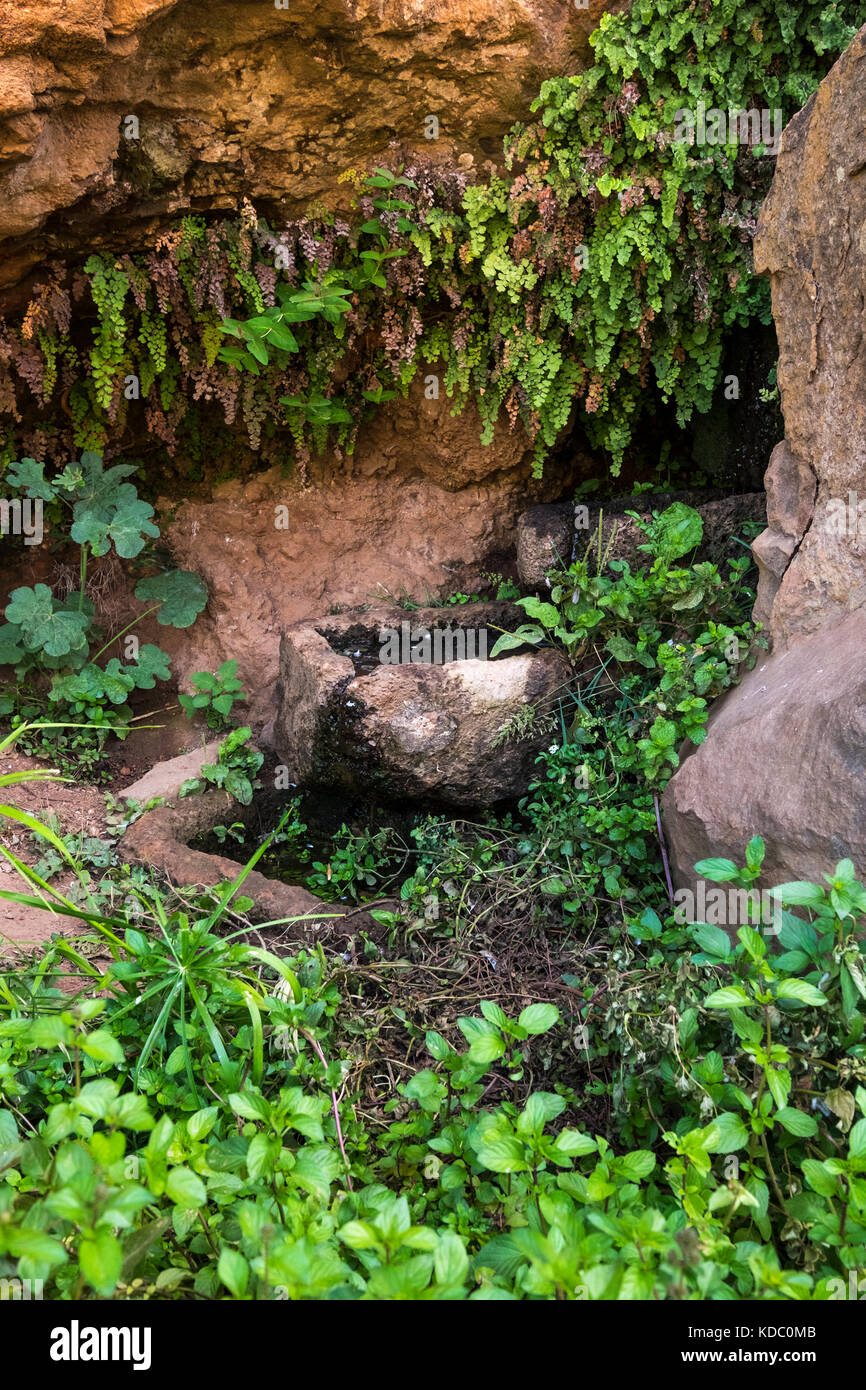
(791, 486)
(166, 778)
(784, 758)
(412, 730)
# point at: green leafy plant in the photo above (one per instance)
(50, 641)
(651, 649)
(269, 333)
(234, 771)
(357, 866)
(186, 1135)
(215, 695)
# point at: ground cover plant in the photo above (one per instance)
(204, 1128)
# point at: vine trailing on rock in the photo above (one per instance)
(605, 268)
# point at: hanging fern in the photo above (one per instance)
(601, 276)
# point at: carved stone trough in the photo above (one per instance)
(391, 703)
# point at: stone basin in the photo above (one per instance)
(350, 716)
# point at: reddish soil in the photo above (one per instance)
(81, 809)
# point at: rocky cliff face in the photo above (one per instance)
(785, 755)
(812, 241)
(272, 99)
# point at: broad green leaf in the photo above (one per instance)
(712, 940)
(717, 870)
(181, 593)
(102, 1046)
(450, 1261)
(153, 665)
(540, 1109)
(573, 1144)
(797, 1122)
(523, 636)
(262, 1156)
(128, 525)
(29, 476)
(503, 1155)
(487, 1048)
(539, 1018)
(185, 1187)
(437, 1046)
(250, 1105)
(636, 1165)
(96, 1096)
(731, 997)
(857, 1141)
(621, 649)
(779, 1084)
(101, 1260)
(799, 894)
(755, 851)
(233, 1270)
(11, 649)
(25, 1242)
(493, 1013)
(315, 1169)
(472, 1028)
(359, 1235)
(96, 488)
(818, 1178)
(802, 991)
(732, 1133)
(545, 613)
(43, 625)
